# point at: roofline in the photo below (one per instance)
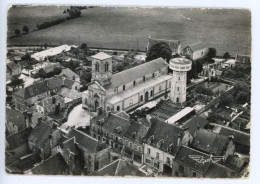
(108, 165)
(230, 129)
(160, 39)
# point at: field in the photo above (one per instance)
(129, 28)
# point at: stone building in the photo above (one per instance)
(195, 51)
(125, 90)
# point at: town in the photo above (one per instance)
(170, 110)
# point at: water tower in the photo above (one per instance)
(180, 67)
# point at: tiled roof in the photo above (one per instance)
(16, 117)
(54, 82)
(210, 142)
(239, 136)
(216, 170)
(32, 90)
(235, 163)
(112, 122)
(173, 44)
(123, 114)
(101, 56)
(40, 134)
(69, 73)
(50, 68)
(84, 140)
(68, 83)
(185, 155)
(166, 133)
(193, 124)
(12, 66)
(135, 131)
(54, 165)
(137, 72)
(49, 101)
(120, 168)
(18, 138)
(198, 46)
(69, 147)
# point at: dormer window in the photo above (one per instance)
(97, 67)
(106, 67)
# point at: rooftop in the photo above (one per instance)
(198, 46)
(101, 56)
(16, 117)
(136, 72)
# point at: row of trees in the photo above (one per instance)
(25, 30)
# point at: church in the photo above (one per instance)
(126, 90)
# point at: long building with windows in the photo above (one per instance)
(125, 90)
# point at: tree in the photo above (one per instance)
(28, 67)
(201, 89)
(225, 100)
(159, 50)
(226, 55)
(84, 46)
(242, 92)
(212, 52)
(119, 67)
(74, 13)
(25, 29)
(17, 32)
(16, 82)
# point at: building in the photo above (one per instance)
(50, 104)
(68, 73)
(95, 154)
(15, 121)
(121, 133)
(196, 164)
(180, 67)
(175, 45)
(125, 90)
(40, 56)
(71, 84)
(161, 144)
(195, 51)
(50, 70)
(243, 60)
(12, 69)
(120, 168)
(212, 143)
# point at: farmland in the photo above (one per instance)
(129, 28)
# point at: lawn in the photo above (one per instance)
(129, 28)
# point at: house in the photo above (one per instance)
(212, 143)
(15, 121)
(68, 73)
(95, 154)
(125, 90)
(43, 138)
(121, 133)
(71, 84)
(161, 144)
(175, 45)
(196, 164)
(230, 63)
(195, 51)
(243, 60)
(55, 83)
(12, 69)
(54, 165)
(30, 95)
(240, 138)
(120, 168)
(195, 123)
(19, 158)
(50, 104)
(50, 70)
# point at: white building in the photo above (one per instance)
(128, 89)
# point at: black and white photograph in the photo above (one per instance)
(140, 91)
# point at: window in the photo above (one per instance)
(181, 169)
(157, 165)
(97, 67)
(94, 135)
(168, 160)
(143, 78)
(153, 75)
(170, 83)
(131, 102)
(108, 108)
(123, 87)
(106, 67)
(160, 88)
(148, 151)
(141, 98)
(178, 89)
(157, 155)
(202, 53)
(134, 83)
(151, 93)
(118, 108)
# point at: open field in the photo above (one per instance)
(129, 28)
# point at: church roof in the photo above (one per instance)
(134, 73)
(101, 56)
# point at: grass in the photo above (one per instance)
(129, 28)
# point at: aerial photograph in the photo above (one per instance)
(128, 91)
